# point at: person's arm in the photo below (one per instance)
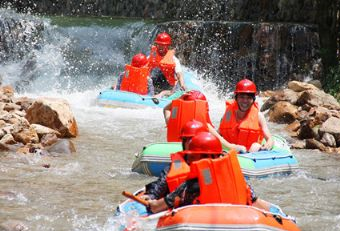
(179, 74)
(225, 143)
(157, 206)
(180, 79)
(159, 188)
(167, 113)
(266, 133)
(119, 82)
(169, 201)
(151, 88)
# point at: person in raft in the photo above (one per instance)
(159, 188)
(135, 77)
(192, 95)
(165, 68)
(243, 127)
(184, 183)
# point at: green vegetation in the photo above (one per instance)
(69, 21)
(332, 82)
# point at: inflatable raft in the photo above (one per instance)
(280, 160)
(117, 98)
(202, 217)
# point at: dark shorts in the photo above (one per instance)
(159, 81)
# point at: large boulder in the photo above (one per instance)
(331, 126)
(282, 95)
(283, 112)
(55, 114)
(318, 98)
(300, 86)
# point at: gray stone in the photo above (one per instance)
(328, 140)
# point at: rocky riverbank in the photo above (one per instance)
(311, 115)
(40, 125)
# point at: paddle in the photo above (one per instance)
(154, 99)
(135, 198)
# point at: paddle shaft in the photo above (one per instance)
(135, 198)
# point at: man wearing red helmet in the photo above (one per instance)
(136, 78)
(243, 127)
(159, 188)
(166, 70)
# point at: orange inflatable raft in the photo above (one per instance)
(217, 216)
(223, 217)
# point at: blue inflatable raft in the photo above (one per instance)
(280, 160)
(117, 98)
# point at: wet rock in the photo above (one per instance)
(283, 112)
(306, 130)
(46, 165)
(24, 102)
(293, 128)
(11, 107)
(282, 95)
(299, 144)
(55, 114)
(316, 83)
(2, 123)
(267, 93)
(8, 129)
(29, 148)
(8, 139)
(318, 98)
(314, 144)
(331, 126)
(49, 139)
(320, 113)
(20, 113)
(328, 140)
(300, 86)
(42, 130)
(63, 146)
(4, 147)
(27, 136)
(302, 114)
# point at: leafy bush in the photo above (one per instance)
(332, 82)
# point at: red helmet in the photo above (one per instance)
(191, 128)
(139, 60)
(245, 86)
(204, 143)
(163, 39)
(193, 95)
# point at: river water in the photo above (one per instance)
(81, 191)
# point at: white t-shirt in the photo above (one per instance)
(178, 67)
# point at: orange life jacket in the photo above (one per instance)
(244, 132)
(183, 111)
(221, 180)
(178, 172)
(165, 63)
(135, 80)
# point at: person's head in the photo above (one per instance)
(139, 60)
(189, 130)
(203, 145)
(163, 41)
(193, 95)
(245, 93)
